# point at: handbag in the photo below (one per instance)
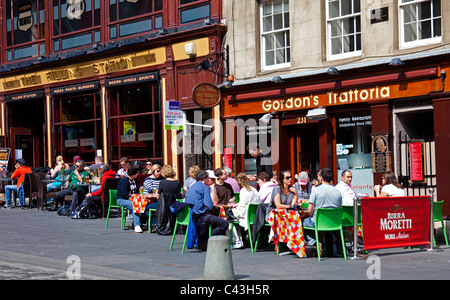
(229, 215)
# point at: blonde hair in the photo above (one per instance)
(167, 171)
(193, 171)
(155, 167)
(242, 180)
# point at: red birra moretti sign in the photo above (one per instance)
(390, 222)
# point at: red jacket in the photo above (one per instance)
(20, 174)
(107, 174)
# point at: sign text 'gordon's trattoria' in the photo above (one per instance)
(330, 98)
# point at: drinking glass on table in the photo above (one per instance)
(141, 189)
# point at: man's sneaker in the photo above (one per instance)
(137, 229)
(6, 206)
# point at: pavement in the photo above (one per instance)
(41, 245)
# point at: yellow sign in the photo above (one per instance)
(79, 71)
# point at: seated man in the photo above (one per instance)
(94, 199)
(199, 195)
(324, 195)
(71, 186)
(224, 191)
(19, 173)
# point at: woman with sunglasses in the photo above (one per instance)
(148, 167)
(284, 195)
(124, 164)
(151, 186)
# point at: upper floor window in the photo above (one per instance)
(275, 39)
(76, 23)
(130, 17)
(25, 29)
(343, 28)
(194, 10)
(420, 22)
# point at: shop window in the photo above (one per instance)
(420, 22)
(25, 29)
(275, 34)
(132, 17)
(135, 123)
(75, 23)
(343, 28)
(353, 149)
(77, 126)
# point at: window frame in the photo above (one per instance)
(94, 30)
(287, 44)
(401, 26)
(329, 21)
(38, 43)
(129, 20)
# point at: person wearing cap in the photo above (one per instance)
(19, 173)
(346, 189)
(75, 159)
(303, 185)
(199, 195)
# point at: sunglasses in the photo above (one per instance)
(288, 177)
(78, 166)
(149, 164)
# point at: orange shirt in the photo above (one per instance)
(20, 174)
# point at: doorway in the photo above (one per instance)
(305, 154)
(26, 124)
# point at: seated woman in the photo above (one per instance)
(284, 195)
(390, 186)
(151, 184)
(169, 191)
(247, 195)
(125, 188)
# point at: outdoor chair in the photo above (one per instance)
(236, 196)
(437, 217)
(121, 209)
(251, 211)
(328, 219)
(182, 219)
(109, 184)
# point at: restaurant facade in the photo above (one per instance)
(369, 120)
(90, 77)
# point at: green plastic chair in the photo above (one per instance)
(113, 204)
(182, 219)
(437, 217)
(251, 211)
(347, 216)
(328, 219)
(236, 196)
(257, 238)
(305, 205)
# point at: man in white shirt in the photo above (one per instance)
(345, 187)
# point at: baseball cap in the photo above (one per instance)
(303, 178)
(21, 161)
(211, 174)
(76, 157)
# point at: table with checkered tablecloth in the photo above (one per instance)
(287, 228)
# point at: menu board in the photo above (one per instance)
(4, 158)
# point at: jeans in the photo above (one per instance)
(19, 191)
(310, 236)
(129, 205)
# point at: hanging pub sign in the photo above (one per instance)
(381, 156)
(206, 95)
(416, 161)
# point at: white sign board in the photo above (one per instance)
(173, 116)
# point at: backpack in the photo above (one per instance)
(81, 212)
(64, 210)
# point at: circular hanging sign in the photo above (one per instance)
(206, 94)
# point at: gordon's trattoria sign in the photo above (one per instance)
(390, 222)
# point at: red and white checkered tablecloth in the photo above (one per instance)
(140, 202)
(287, 228)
